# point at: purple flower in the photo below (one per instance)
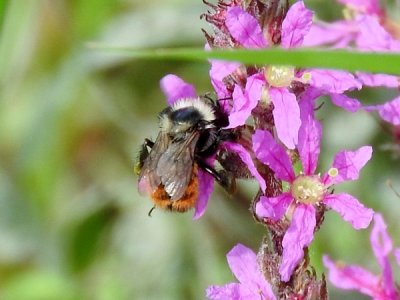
(337, 34)
(219, 70)
(343, 33)
(246, 30)
(390, 111)
(367, 33)
(378, 80)
(372, 36)
(272, 83)
(252, 283)
(296, 25)
(308, 189)
(353, 277)
(247, 159)
(244, 101)
(397, 255)
(176, 88)
(371, 7)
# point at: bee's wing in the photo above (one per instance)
(148, 178)
(176, 164)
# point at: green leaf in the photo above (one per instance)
(372, 62)
(85, 239)
(39, 284)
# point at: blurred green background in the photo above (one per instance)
(72, 225)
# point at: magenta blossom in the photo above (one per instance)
(308, 189)
(371, 7)
(343, 33)
(273, 84)
(365, 32)
(353, 277)
(252, 283)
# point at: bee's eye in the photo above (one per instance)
(185, 115)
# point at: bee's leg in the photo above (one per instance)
(150, 211)
(222, 177)
(142, 155)
(148, 143)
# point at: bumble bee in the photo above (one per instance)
(190, 131)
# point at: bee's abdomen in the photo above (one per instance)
(162, 200)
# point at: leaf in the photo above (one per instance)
(311, 58)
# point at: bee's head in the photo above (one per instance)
(186, 115)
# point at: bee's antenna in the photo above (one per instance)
(319, 106)
(208, 97)
(151, 210)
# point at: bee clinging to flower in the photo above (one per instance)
(190, 131)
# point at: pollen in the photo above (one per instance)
(333, 172)
(279, 76)
(306, 77)
(265, 98)
(307, 189)
(349, 13)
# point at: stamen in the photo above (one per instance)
(307, 189)
(333, 172)
(265, 98)
(279, 76)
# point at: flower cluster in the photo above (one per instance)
(272, 110)
(364, 28)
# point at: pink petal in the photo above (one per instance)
(299, 235)
(237, 116)
(246, 158)
(227, 291)
(388, 283)
(363, 6)
(390, 111)
(286, 116)
(309, 144)
(336, 33)
(206, 187)
(175, 88)
(307, 102)
(244, 103)
(243, 263)
(382, 246)
(333, 82)
(345, 102)
(220, 70)
(254, 86)
(352, 277)
(273, 207)
(378, 80)
(349, 165)
(373, 37)
(397, 256)
(350, 209)
(244, 28)
(380, 239)
(269, 152)
(296, 25)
